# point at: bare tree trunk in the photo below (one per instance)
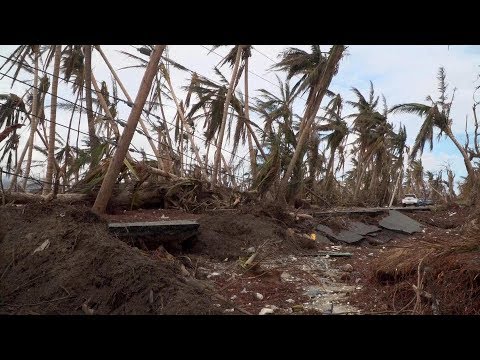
(88, 97)
(142, 124)
(189, 130)
(396, 186)
(310, 113)
(67, 145)
(466, 159)
(78, 136)
(253, 160)
(47, 187)
(116, 163)
(33, 127)
(218, 151)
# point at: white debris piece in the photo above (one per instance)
(290, 301)
(212, 275)
(250, 250)
(259, 296)
(42, 247)
(265, 311)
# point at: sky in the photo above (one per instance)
(401, 73)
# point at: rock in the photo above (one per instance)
(346, 268)
(244, 291)
(250, 250)
(290, 301)
(297, 308)
(371, 254)
(259, 296)
(229, 310)
(233, 297)
(265, 311)
(286, 276)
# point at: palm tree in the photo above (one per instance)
(239, 50)
(316, 72)
(10, 120)
(436, 115)
(53, 115)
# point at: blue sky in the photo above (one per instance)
(401, 73)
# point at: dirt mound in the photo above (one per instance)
(83, 264)
(227, 235)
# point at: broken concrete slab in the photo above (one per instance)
(362, 229)
(346, 236)
(398, 222)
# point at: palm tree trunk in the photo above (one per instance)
(310, 113)
(396, 186)
(218, 152)
(466, 159)
(88, 97)
(78, 136)
(330, 173)
(67, 144)
(141, 122)
(33, 126)
(116, 163)
(253, 161)
(53, 117)
(188, 129)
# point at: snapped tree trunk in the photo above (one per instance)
(53, 117)
(466, 159)
(116, 163)
(310, 113)
(218, 152)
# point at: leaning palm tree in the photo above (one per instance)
(316, 71)
(436, 116)
(238, 50)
